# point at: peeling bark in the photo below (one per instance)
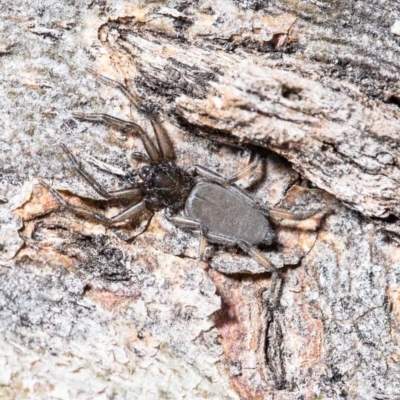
(334, 135)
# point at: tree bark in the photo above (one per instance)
(90, 311)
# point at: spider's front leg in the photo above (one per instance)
(150, 147)
(164, 150)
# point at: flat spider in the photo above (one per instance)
(213, 206)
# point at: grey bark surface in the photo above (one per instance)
(127, 311)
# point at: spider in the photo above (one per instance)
(213, 206)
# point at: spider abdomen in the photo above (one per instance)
(224, 213)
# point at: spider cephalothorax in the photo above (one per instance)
(166, 184)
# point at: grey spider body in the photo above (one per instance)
(215, 205)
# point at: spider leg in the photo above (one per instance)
(215, 177)
(163, 140)
(182, 222)
(129, 193)
(202, 246)
(134, 210)
(245, 172)
(206, 236)
(141, 157)
(109, 119)
(260, 257)
(194, 226)
(293, 216)
(132, 97)
(151, 149)
(273, 330)
(111, 169)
